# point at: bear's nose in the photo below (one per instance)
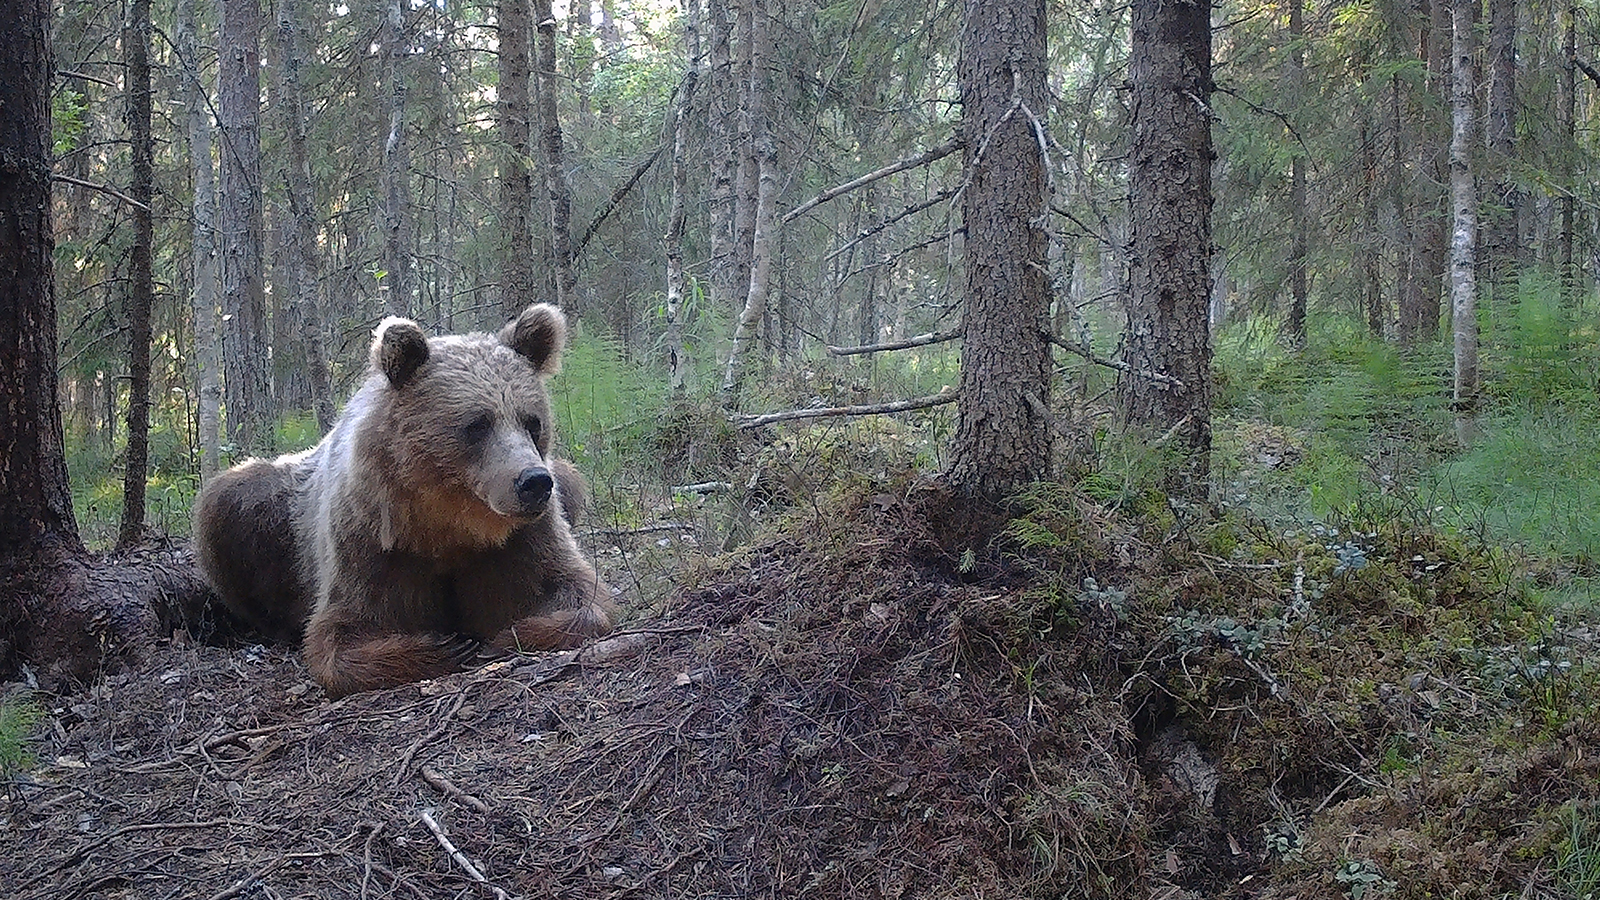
(534, 485)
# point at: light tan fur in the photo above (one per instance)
(428, 526)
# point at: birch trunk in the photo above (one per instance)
(677, 361)
(1463, 244)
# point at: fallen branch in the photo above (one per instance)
(405, 761)
(448, 787)
(703, 487)
(948, 395)
(1091, 356)
(458, 856)
(921, 159)
(921, 340)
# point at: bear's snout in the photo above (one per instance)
(534, 485)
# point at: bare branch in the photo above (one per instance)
(948, 395)
(612, 203)
(921, 340)
(1587, 69)
(922, 159)
(905, 213)
(1120, 366)
(456, 854)
(66, 73)
(102, 188)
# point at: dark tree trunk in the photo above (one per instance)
(60, 612)
(246, 387)
(1500, 135)
(1299, 218)
(198, 132)
(1569, 122)
(557, 191)
(141, 281)
(1169, 190)
(1002, 438)
(517, 278)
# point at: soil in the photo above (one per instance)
(897, 694)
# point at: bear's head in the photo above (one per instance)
(463, 421)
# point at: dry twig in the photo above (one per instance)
(457, 855)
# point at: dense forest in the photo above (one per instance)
(1215, 388)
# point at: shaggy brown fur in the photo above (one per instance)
(419, 533)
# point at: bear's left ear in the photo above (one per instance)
(399, 348)
(539, 334)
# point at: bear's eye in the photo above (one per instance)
(533, 425)
(478, 429)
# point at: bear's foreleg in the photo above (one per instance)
(346, 661)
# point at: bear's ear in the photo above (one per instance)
(399, 348)
(539, 334)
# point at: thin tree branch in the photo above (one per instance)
(921, 340)
(1587, 69)
(66, 73)
(1120, 366)
(456, 854)
(922, 159)
(102, 188)
(905, 213)
(948, 395)
(616, 199)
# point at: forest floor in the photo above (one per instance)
(1098, 694)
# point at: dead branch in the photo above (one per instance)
(1120, 366)
(921, 340)
(921, 159)
(405, 761)
(1586, 69)
(67, 73)
(102, 188)
(615, 200)
(909, 211)
(448, 787)
(948, 395)
(458, 856)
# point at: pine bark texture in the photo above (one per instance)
(141, 280)
(205, 262)
(1464, 204)
(558, 191)
(1002, 439)
(246, 386)
(60, 612)
(1170, 199)
(1500, 136)
(300, 263)
(517, 279)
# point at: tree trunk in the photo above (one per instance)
(1298, 217)
(141, 281)
(720, 130)
(246, 385)
(60, 613)
(1371, 278)
(204, 246)
(396, 168)
(557, 191)
(763, 149)
(1569, 121)
(517, 277)
(301, 265)
(1169, 187)
(1002, 439)
(677, 361)
(1500, 136)
(1463, 245)
(747, 162)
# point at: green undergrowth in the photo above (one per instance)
(1378, 697)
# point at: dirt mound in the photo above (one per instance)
(895, 695)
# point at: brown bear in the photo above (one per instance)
(428, 527)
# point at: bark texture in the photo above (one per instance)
(1500, 135)
(396, 168)
(198, 132)
(141, 280)
(1299, 216)
(1463, 244)
(517, 280)
(1002, 438)
(558, 191)
(1170, 198)
(247, 388)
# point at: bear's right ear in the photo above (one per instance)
(538, 334)
(399, 348)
